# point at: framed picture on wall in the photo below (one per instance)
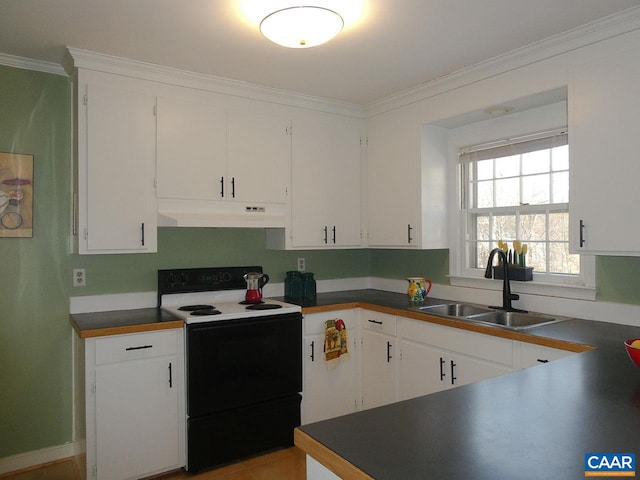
(16, 195)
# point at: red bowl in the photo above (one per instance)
(633, 352)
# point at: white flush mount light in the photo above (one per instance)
(301, 27)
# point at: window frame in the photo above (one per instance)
(462, 274)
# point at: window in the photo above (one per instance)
(518, 189)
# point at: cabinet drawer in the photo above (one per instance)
(314, 322)
(378, 322)
(532, 355)
(135, 346)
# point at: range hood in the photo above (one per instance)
(199, 213)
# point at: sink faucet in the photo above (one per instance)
(507, 296)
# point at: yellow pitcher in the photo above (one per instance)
(417, 291)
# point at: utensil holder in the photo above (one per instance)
(521, 274)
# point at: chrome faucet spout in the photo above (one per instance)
(507, 296)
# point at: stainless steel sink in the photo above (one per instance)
(489, 316)
(455, 309)
(513, 320)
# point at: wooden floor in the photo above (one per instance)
(287, 464)
(65, 469)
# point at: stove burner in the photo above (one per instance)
(191, 308)
(264, 306)
(203, 312)
(244, 302)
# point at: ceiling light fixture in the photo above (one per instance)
(301, 27)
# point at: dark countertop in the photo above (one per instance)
(535, 423)
(119, 322)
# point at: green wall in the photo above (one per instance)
(35, 340)
(35, 273)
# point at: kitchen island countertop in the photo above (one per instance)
(536, 423)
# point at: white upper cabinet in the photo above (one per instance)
(116, 160)
(207, 152)
(393, 187)
(604, 114)
(326, 184)
(258, 156)
(407, 186)
(192, 151)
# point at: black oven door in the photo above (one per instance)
(236, 363)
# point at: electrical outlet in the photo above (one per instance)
(79, 277)
(301, 265)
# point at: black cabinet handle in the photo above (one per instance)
(442, 374)
(543, 360)
(222, 187)
(334, 234)
(233, 187)
(581, 233)
(326, 234)
(313, 344)
(170, 376)
(141, 347)
(409, 229)
(377, 322)
(142, 233)
(389, 357)
(453, 373)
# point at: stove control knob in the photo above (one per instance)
(171, 279)
(184, 279)
(226, 277)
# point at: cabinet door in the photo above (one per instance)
(378, 369)
(258, 157)
(327, 393)
(463, 370)
(423, 370)
(192, 152)
(604, 112)
(393, 173)
(118, 168)
(326, 183)
(137, 418)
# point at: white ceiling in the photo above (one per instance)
(396, 45)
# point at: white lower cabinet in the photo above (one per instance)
(434, 358)
(400, 358)
(379, 359)
(529, 355)
(329, 393)
(134, 404)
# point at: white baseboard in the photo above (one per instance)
(25, 460)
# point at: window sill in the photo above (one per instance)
(529, 288)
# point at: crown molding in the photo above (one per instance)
(84, 59)
(29, 64)
(606, 28)
(609, 27)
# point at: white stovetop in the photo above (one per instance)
(227, 302)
